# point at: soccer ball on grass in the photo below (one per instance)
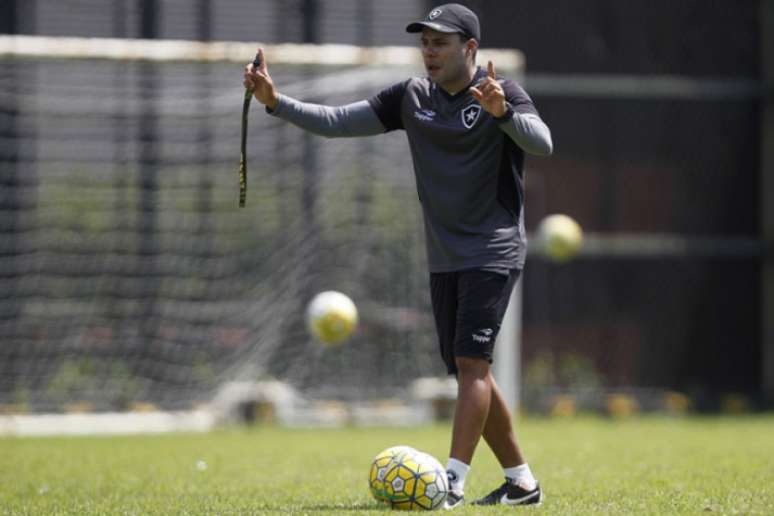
(410, 480)
(379, 467)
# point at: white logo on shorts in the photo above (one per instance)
(483, 335)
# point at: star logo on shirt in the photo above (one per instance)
(470, 115)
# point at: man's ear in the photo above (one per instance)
(471, 46)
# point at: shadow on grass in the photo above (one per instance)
(337, 508)
(357, 507)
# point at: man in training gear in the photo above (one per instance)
(468, 130)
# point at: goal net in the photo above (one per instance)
(128, 274)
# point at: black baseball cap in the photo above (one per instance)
(450, 18)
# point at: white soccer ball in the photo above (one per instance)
(560, 237)
(331, 317)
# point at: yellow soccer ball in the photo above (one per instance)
(415, 482)
(331, 317)
(560, 237)
(380, 465)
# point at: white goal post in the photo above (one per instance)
(509, 60)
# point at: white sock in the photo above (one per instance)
(522, 476)
(457, 471)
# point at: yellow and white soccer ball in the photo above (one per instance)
(415, 481)
(331, 317)
(560, 237)
(379, 467)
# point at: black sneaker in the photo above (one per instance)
(512, 494)
(454, 499)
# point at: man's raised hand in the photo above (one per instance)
(259, 82)
(489, 93)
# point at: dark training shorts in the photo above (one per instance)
(469, 307)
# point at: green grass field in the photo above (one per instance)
(586, 466)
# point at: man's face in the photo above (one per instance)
(444, 56)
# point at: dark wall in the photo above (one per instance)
(638, 165)
(689, 37)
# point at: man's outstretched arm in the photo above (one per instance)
(357, 119)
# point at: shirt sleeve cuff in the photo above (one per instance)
(507, 116)
(278, 108)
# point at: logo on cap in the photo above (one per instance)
(434, 14)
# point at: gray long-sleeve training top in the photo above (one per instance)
(469, 165)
